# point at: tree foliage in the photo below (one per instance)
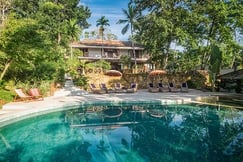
(102, 22)
(193, 25)
(94, 34)
(36, 36)
(131, 17)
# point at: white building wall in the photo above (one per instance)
(123, 52)
(94, 52)
(97, 52)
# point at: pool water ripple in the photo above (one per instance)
(145, 132)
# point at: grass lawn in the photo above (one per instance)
(5, 96)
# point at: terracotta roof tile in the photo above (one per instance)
(110, 43)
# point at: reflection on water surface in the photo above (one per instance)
(123, 132)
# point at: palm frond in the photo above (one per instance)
(122, 21)
(125, 29)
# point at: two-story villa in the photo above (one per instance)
(111, 51)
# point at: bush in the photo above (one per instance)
(6, 96)
(191, 84)
(81, 81)
(198, 79)
(44, 86)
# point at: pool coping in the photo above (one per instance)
(15, 111)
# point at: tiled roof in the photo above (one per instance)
(233, 75)
(105, 43)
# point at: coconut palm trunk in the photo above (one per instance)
(102, 22)
(132, 16)
(102, 43)
(134, 54)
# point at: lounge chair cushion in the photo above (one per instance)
(151, 85)
(133, 86)
(184, 85)
(171, 85)
(92, 86)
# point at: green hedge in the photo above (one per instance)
(6, 96)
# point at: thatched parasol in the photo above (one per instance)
(115, 73)
(157, 72)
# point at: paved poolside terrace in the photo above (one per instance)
(71, 96)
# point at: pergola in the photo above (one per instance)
(235, 78)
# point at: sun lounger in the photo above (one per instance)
(119, 88)
(105, 88)
(152, 88)
(21, 95)
(184, 87)
(35, 93)
(133, 88)
(172, 88)
(163, 88)
(96, 90)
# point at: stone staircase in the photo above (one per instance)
(70, 90)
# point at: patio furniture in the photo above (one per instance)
(163, 88)
(173, 88)
(133, 88)
(119, 88)
(105, 88)
(35, 93)
(96, 90)
(184, 87)
(21, 95)
(152, 88)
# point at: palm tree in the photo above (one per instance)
(131, 17)
(73, 31)
(102, 22)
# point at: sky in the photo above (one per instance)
(112, 10)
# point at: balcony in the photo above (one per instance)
(111, 58)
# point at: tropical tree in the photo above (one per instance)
(54, 16)
(25, 8)
(125, 60)
(102, 22)
(19, 42)
(53, 22)
(131, 17)
(73, 30)
(36, 34)
(163, 24)
(194, 25)
(94, 35)
(215, 63)
(218, 23)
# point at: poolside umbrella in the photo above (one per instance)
(113, 73)
(157, 72)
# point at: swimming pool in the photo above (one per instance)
(227, 100)
(117, 132)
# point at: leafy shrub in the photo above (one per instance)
(1, 84)
(198, 79)
(6, 96)
(99, 64)
(81, 81)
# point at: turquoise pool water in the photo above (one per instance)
(127, 133)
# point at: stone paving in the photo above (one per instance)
(72, 96)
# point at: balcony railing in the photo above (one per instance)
(111, 58)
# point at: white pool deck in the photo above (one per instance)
(71, 96)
